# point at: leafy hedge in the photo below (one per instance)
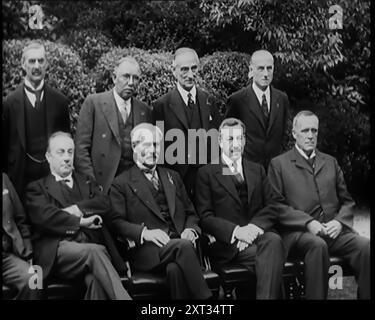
(156, 78)
(65, 72)
(344, 126)
(90, 44)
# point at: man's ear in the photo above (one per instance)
(250, 74)
(294, 134)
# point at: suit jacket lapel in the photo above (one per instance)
(50, 110)
(109, 108)
(169, 189)
(54, 189)
(82, 184)
(226, 180)
(138, 184)
(319, 162)
(249, 177)
(177, 106)
(275, 108)
(20, 113)
(300, 161)
(254, 106)
(204, 109)
(138, 111)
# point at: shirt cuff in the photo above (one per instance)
(195, 233)
(143, 230)
(233, 239)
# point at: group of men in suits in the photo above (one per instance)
(118, 188)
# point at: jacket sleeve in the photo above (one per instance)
(117, 220)
(20, 217)
(345, 214)
(191, 216)
(83, 139)
(267, 216)
(46, 216)
(289, 216)
(221, 229)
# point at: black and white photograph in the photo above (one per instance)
(186, 156)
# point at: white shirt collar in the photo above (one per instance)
(230, 162)
(303, 154)
(184, 93)
(28, 83)
(259, 93)
(121, 103)
(31, 96)
(59, 178)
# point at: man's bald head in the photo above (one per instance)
(261, 68)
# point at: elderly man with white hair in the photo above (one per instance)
(151, 207)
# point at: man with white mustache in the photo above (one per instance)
(150, 206)
(236, 205)
(319, 216)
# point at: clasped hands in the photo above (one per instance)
(91, 222)
(246, 235)
(329, 229)
(161, 238)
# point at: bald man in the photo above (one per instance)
(103, 147)
(186, 107)
(263, 109)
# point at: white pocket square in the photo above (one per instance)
(210, 118)
(5, 191)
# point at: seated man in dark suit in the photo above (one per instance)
(67, 211)
(319, 218)
(150, 206)
(17, 247)
(237, 207)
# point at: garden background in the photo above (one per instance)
(322, 69)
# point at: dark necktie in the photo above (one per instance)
(237, 175)
(190, 101)
(265, 107)
(311, 162)
(154, 179)
(37, 93)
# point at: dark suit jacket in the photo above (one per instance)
(305, 191)
(262, 142)
(134, 207)
(170, 108)
(15, 221)
(14, 145)
(98, 146)
(219, 205)
(45, 203)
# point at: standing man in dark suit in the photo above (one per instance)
(17, 247)
(319, 217)
(187, 107)
(150, 207)
(67, 210)
(236, 205)
(263, 109)
(30, 114)
(103, 148)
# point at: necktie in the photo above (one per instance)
(237, 175)
(265, 107)
(311, 162)
(190, 101)
(37, 93)
(123, 112)
(153, 177)
(68, 183)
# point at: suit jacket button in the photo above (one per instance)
(104, 135)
